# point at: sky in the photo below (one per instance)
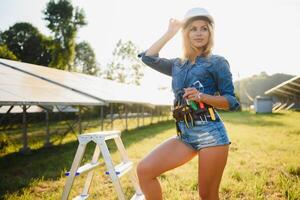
(253, 35)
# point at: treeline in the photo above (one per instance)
(247, 89)
(24, 42)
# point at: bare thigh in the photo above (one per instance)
(170, 154)
(212, 161)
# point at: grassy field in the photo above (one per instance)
(264, 162)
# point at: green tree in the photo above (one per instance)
(27, 43)
(6, 53)
(64, 21)
(1, 40)
(125, 67)
(85, 59)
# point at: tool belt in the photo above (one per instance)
(189, 115)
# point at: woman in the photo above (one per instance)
(197, 77)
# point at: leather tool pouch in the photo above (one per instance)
(181, 111)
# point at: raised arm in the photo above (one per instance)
(174, 26)
(151, 56)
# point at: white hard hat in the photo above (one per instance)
(195, 12)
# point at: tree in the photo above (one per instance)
(115, 71)
(27, 43)
(1, 39)
(85, 58)
(125, 66)
(6, 53)
(256, 85)
(64, 21)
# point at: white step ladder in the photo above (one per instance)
(115, 172)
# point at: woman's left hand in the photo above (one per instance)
(192, 94)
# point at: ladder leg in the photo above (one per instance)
(91, 173)
(70, 179)
(121, 149)
(135, 182)
(125, 158)
(111, 170)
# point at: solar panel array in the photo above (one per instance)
(91, 87)
(288, 88)
(18, 88)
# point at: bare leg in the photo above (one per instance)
(168, 155)
(212, 161)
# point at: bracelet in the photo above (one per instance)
(199, 95)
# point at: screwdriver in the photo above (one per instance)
(212, 114)
(201, 105)
(193, 105)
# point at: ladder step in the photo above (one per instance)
(138, 197)
(85, 168)
(101, 134)
(81, 197)
(118, 170)
(122, 168)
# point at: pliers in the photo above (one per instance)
(185, 118)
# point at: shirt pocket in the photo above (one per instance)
(178, 68)
(203, 75)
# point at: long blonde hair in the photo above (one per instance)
(189, 52)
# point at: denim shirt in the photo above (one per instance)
(213, 72)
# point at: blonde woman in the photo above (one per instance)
(201, 82)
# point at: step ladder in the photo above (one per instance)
(115, 172)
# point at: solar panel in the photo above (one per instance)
(119, 92)
(20, 88)
(288, 88)
(98, 88)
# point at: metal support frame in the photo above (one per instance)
(126, 117)
(25, 149)
(111, 117)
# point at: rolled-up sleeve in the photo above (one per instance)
(225, 85)
(162, 65)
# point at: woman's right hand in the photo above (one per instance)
(174, 26)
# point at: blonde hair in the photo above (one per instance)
(189, 52)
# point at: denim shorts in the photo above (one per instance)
(203, 134)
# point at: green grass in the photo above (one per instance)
(263, 163)
(36, 132)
